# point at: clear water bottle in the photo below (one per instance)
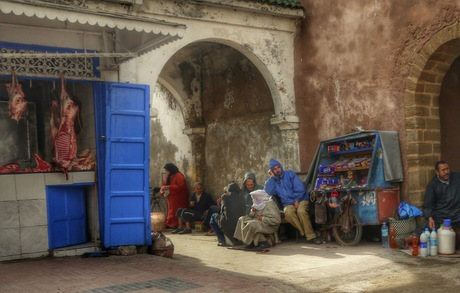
(385, 236)
(428, 241)
(434, 242)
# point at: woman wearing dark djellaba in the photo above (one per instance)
(175, 189)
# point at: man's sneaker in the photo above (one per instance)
(178, 230)
(250, 246)
(185, 231)
(316, 240)
(263, 245)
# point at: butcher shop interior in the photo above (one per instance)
(29, 127)
(47, 163)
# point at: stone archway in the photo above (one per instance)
(423, 127)
(229, 114)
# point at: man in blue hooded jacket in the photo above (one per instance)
(293, 195)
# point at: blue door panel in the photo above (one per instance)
(125, 233)
(124, 181)
(122, 126)
(130, 151)
(128, 98)
(66, 215)
(124, 207)
(125, 195)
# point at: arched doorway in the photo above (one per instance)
(449, 106)
(431, 107)
(227, 107)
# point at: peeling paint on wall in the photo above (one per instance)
(167, 142)
(235, 105)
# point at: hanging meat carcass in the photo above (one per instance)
(65, 136)
(55, 119)
(17, 103)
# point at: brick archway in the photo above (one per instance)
(423, 86)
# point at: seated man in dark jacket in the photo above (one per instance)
(200, 202)
(233, 207)
(442, 199)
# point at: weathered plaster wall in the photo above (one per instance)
(167, 142)
(221, 92)
(258, 46)
(237, 106)
(352, 63)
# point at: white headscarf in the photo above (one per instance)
(259, 199)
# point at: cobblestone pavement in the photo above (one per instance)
(199, 265)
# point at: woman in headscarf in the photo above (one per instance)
(175, 189)
(264, 219)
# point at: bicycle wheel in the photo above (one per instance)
(349, 238)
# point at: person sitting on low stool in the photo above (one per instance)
(200, 202)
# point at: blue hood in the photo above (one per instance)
(274, 163)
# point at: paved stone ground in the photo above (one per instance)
(199, 265)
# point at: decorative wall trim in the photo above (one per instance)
(41, 65)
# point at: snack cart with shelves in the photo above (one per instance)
(364, 168)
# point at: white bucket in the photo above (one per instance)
(446, 241)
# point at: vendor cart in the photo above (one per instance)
(364, 169)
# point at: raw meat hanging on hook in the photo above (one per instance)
(65, 136)
(55, 117)
(17, 103)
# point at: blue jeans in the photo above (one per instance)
(215, 226)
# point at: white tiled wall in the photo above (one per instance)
(34, 239)
(10, 244)
(8, 187)
(23, 212)
(9, 214)
(33, 213)
(30, 186)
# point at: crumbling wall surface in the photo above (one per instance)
(352, 62)
(237, 107)
(237, 146)
(167, 142)
(221, 92)
(230, 73)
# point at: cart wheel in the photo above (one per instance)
(349, 238)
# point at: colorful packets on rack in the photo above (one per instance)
(333, 148)
(326, 169)
(326, 183)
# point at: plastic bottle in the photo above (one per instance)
(446, 238)
(434, 242)
(414, 244)
(393, 237)
(440, 227)
(423, 245)
(428, 241)
(385, 236)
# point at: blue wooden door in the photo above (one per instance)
(66, 215)
(123, 132)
